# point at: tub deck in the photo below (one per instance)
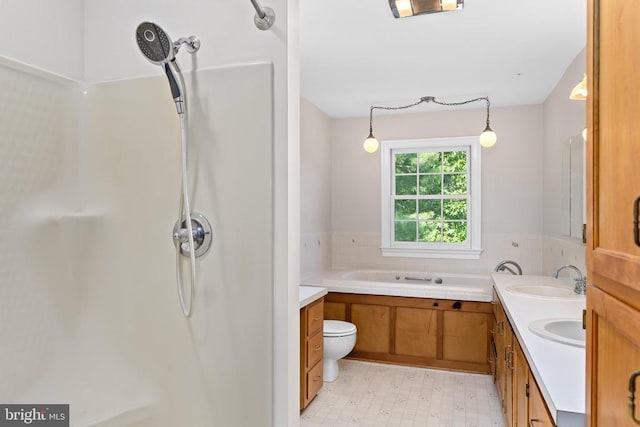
(464, 287)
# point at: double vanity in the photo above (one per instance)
(541, 317)
(529, 337)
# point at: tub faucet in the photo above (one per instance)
(504, 266)
(581, 282)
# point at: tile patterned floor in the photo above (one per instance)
(373, 394)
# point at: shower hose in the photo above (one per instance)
(186, 210)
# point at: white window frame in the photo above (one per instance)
(471, 249)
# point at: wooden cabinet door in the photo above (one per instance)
(465, 336)
(508, 375)
(500, 353)
(614, 355)
(538, 414)
(374, 326)
(613, 184)
(520, 388)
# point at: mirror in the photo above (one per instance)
(573, 187)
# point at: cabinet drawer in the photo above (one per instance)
(314, 381)
(314, 349)
(315, 316)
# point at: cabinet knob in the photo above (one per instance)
(315, 319)
(317, 348)
(317, 378)
(531, 421)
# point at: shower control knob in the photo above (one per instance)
(201, 231)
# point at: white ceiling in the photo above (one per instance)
(355, 54)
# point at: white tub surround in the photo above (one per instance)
(559, 369)
(309, 294)
(465, 287)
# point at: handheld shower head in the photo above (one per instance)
(158, 48)
(154, 43)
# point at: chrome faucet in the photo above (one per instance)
(581, 282)
(504, 266)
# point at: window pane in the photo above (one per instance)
(406, 163)
(455, 209)
(405, 231)
(430, 162)
(430, 209)
(455, 232)
(455, 184)
(430, 231)
(455, 161)
(405, 209)
(406, 185)
(431, 184)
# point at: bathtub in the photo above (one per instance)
(466, 287)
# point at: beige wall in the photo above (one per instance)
(563, 118)
(48, 35)
(511, 170)
(315, 175)
(511, 187)
(315, 193)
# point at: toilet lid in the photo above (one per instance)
(338, 328)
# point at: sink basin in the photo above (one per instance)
(543, 291)
(565, 331)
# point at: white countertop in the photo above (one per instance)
(309, 294)
(559, 369)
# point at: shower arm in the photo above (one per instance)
(265, 16)
(193, 44)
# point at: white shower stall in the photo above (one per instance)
(89, 185)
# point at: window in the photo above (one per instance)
(431, 198)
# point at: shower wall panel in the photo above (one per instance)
(215, 368)
(42, 258)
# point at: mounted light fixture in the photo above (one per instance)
(488, 137)
(405, 8)
(579, 92)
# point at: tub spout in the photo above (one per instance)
(504, 265)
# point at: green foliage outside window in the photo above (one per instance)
(431, 190)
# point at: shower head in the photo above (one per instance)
(154, 43)
(157, 47)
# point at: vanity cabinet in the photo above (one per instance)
(522, 402)
(311, 341)
(428, 332)
(502, 341)
(613, 177)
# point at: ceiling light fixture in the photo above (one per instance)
(404, 8)
(488, 137)
(579, 92)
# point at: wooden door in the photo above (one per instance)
(613, 177)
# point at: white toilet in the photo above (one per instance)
(339, 339)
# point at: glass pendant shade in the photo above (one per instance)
(371, 144)
(579, 92)
(488, 138)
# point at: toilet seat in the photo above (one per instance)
(338, 328)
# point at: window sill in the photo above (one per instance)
(432, 253)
